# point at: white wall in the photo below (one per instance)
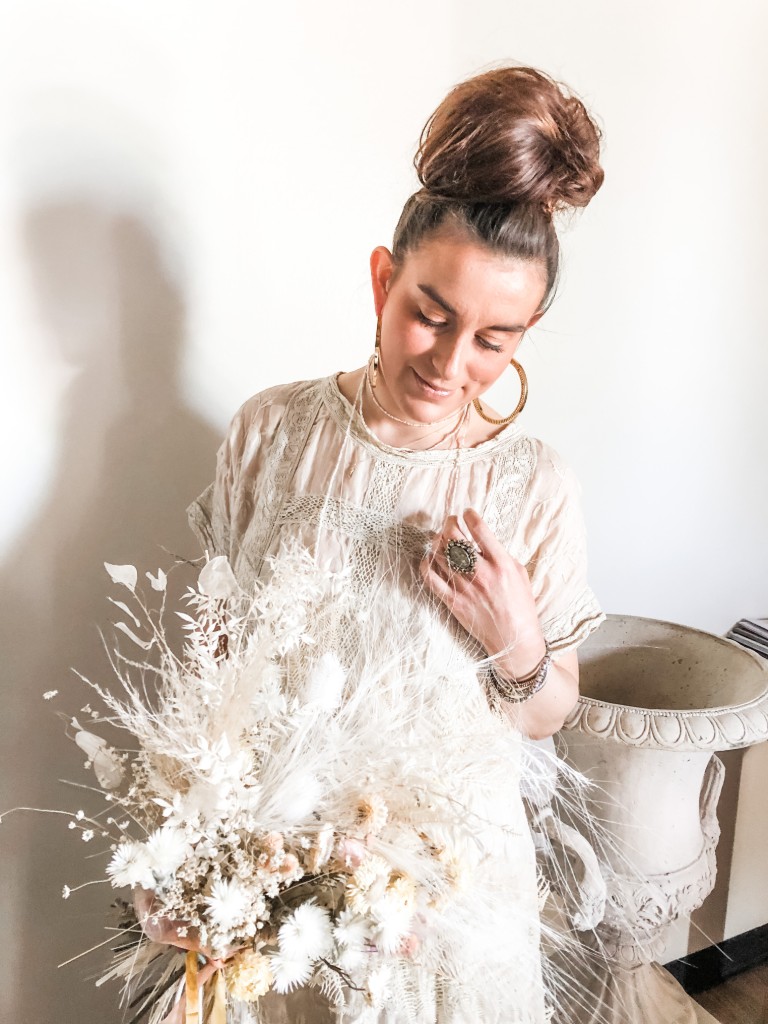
(188, 196)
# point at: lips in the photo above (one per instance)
(431, 388)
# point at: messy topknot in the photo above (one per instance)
(502, 153)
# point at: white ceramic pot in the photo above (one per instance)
(657, 701)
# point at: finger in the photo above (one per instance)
(437, 555)
(452, 530)
(459, 582)
(457, 529)
(439, 586)
(454, 601)
(483, 535)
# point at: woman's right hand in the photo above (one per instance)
(162, 929)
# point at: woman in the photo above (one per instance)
(449, 521)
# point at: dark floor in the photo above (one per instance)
(741, 1000)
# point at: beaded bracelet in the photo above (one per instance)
(518, 690)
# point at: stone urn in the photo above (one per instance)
(657, 701)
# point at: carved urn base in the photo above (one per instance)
(658, 700)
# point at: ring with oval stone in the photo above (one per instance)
(462, 556)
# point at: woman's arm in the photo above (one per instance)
(544, 713)
(495, 604)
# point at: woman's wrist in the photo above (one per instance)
(522, 687)
(521, 661)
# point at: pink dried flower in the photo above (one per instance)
(351, 852)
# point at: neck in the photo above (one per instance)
(352, 387)
(394, 429)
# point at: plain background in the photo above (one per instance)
(189, 193)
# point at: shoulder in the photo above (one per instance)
(268, 406)
(259, 417)
(551, 472)
(547, 476)
(550, 499)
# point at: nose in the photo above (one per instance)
(448, 357)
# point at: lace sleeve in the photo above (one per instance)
(568, 609)
(225, 511)
(211, 514)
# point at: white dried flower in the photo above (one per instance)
(455, 870)
(393, 922)
(168, 848)
(289, 974)
(306, 933)
(351, 958)
(131, 865)
(66, 892)
(50, 694)
(228, 904)
(350, 929)
(372, 870)
(376, 985)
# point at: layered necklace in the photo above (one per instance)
(454, 434)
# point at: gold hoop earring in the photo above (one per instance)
(520, 405)
(376, 351)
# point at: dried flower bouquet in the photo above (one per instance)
(290, 825)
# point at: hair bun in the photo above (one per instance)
(511, 135)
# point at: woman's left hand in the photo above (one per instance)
(494, 602)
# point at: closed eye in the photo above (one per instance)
(487, 344)
(430, 323)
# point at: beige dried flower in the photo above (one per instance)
(373, 874)
(372, 814)
(248, 976)
(456, 870)
(402, 889)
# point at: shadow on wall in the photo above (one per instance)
(130, 456)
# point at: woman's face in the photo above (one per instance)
(451, 319)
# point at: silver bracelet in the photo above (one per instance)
(518, 690)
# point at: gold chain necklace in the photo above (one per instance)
(408, 423)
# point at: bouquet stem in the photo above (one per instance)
(187, 1010)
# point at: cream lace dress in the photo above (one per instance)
(300, 463)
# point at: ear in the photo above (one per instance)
(382, 267)
(535, 319)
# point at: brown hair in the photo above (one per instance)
(502, 153)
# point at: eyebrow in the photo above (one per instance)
(436, 297)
